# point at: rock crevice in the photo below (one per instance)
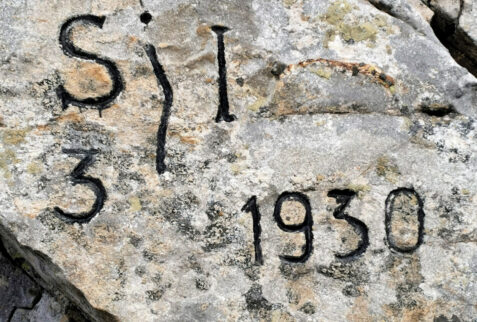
(47, 276)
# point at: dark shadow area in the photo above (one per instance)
(30, 284)
(460, 46)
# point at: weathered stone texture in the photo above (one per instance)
(346, 94)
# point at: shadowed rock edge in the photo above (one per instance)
(49, 276)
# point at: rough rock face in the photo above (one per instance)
(240, 160)
(454, 23)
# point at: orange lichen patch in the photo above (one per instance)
(207, 57)
(114, 107)
(43, 127)
(203, 30)
(183, 138)
(304, 17)
(30, 209)
(188, 139)
(72, 117)
(359, 310)
(377, 75)
(88, 80)
(422, 311)
(301, 290)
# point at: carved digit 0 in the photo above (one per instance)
(411, 202)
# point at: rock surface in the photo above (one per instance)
(454, 23)
(354, 107)
(22, 299)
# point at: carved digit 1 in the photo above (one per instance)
(252, 207)
(413, 197)
(343, 198)
(305, 226)
(71, 50)
(223, 111)
(78, 178)
(166, 109)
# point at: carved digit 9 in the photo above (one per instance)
(413, 197)
(79, 178)
(305, 226)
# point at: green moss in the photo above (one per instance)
(135, 204)
(329, 36)
(336, 12)
(257, 104)
(26, 267)
(359, 187)
(387, 169)
(14, 137)
(34, 168)
(6, 158)
(364, 31)
(350, 31)
(325, 73)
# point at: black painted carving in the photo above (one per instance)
(305, 227)
(388, 217)
(100, 102)
(223, 111)
(166, 110)
(252, 207)
(94, 184)
(343, 198)
(145, 17)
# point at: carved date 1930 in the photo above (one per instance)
(343, 198)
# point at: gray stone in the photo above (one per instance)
(17, 290)
(331, 99)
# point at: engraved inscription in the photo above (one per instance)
(305, 226)
(100, 102)
(252, 207)
(166, 109)
(343, 198)
(94, 184)
(404, 220)
(223, 111)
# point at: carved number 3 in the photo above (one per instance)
(343, 198)
(95, 184)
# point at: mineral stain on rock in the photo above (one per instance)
(329, 95)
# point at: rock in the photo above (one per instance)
(242, 160)
(454, 23)
(22, 299)
(17, 290)
(450, 9)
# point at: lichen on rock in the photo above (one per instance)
(239, 160)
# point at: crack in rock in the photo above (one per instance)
(40, 274)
